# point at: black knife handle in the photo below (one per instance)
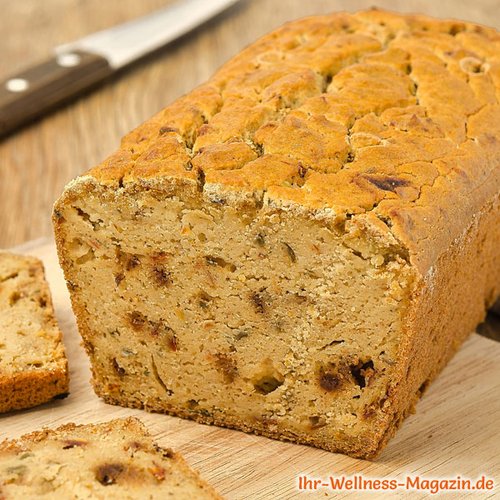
(41, 88)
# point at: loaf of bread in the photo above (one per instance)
(33, 365)
(113, 460)
(298, 246)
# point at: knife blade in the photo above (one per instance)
(81, 65)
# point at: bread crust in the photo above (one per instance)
(29, 389)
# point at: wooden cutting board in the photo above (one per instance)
(454, 432)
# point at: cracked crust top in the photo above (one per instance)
(389, 120)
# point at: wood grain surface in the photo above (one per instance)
(454, 432)
(37, 162)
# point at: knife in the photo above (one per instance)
(82, 64)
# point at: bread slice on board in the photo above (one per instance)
(113, 460)
(33, 365)
(298, 246)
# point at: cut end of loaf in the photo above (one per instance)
(256, 317)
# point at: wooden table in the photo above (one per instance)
(37, 162)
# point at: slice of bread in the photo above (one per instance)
(116, 459)
(33, 365)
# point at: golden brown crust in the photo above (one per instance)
(367, 113)
(28, 389)
(469, 274)
(33, 367)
